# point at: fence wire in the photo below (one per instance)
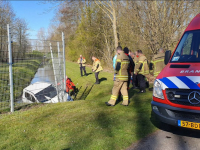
(37, 76)
(4, 72)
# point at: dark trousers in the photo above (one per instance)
(134, 81)
(141, 81)
(97, 77)
(129, 80)
(82, 68)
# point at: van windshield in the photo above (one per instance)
(188, 49)
(49, 92)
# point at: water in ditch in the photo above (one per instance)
(44, 74)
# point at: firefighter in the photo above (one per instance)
(121, 78)
(96, 68)
(81, 61)
(141, 70)
(157, 63)
(131, 65)
(70, 88)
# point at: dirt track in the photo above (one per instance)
(170, 139)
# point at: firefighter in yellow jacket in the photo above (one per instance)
(121, 78)
(81, 61)
(142, 69)
(96, 68)
(157, 63)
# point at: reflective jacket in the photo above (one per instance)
(97, 65)
(157, 64)
(122, 66)
(69, 85)
(135, 60)
(81, 63)
(142, 66)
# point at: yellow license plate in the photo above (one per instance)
(187, 124)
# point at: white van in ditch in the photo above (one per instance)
(40, 92)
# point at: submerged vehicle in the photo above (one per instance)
(176, 94)
(40, 92)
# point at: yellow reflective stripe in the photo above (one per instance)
(125, 62)
(123, 79)
(121, 76)
(113, 97)
(140, 61)
(156, 73)
(118, 60)
(159, 60)
(125, 97)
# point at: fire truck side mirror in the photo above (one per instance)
(167, 56)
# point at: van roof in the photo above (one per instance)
(37, 87)
(194, 24)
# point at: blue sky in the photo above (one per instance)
(36, 13)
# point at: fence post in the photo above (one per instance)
(10, 71)
(58, 46)
(54, 72)
(63, 44)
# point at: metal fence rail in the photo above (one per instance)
(30, 71)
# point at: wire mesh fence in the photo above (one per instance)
(37, 69)
(4, 70)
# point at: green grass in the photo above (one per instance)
(85, 124)
(23, 72)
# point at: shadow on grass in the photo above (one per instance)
(89, 74)
(102, 79)
(77, 92)
(85, 93)
(143, 125)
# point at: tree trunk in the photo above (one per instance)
(115, 26)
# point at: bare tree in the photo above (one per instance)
(161, 22)
(109, 8)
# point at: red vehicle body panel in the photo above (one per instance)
(168, 72)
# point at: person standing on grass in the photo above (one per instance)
(120, 83)
(81, 61)
(96, 67)
(142, 69)
(131, 65)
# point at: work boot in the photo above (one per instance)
(109, 104)
(97, 82)
(125, 103)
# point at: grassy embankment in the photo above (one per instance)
(86, 123)
(23, 72)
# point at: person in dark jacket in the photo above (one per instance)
(131, 66)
